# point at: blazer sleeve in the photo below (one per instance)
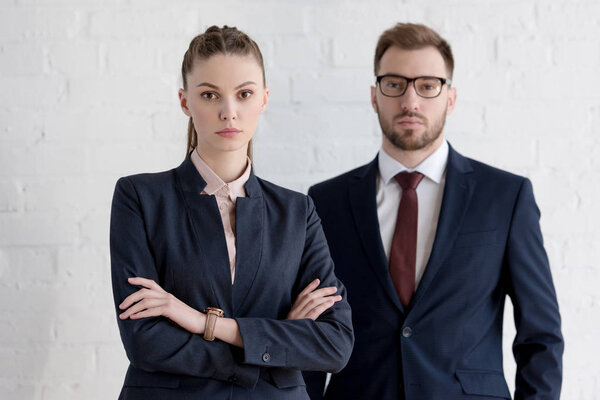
(324, 344)
(538, 345)
(156, 344)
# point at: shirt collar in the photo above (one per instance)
(433, 167)
(214, 183)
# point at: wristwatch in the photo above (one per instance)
(212, 313)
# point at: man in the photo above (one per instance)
(428, 244)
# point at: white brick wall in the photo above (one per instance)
(88, 93)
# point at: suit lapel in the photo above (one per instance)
(208, 227)
(362, 193)
(249, 217)
(458, 191)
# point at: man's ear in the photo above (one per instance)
(374, 99)
(451, 100)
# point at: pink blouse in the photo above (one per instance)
(226, 194)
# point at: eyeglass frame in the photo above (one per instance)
(445, 81)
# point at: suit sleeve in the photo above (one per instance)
(315, 380)
(155, 344)
(538, 344)
(322, 345)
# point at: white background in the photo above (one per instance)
(88, 93)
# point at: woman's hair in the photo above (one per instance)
(226, 40)
(413, 37)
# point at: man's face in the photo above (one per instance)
(411, 122)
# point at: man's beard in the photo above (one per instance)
(407, 139)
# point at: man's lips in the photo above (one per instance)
(410, 122)
(228, 132)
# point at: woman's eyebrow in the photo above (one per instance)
(216, 87)
(245, 84)
(207, 84)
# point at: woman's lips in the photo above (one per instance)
(228, 132)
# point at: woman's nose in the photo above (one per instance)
(228, 112)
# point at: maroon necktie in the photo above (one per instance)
(403, 254)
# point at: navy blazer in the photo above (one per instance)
(448, 343)
(162, 228)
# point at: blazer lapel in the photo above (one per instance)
(362, 193)
(210, 235)
(249, 217)
(458, 192)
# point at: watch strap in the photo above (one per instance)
(212, 314)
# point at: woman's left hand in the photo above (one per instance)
(154, 301)
(312, 302)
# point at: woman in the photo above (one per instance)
(217, 283)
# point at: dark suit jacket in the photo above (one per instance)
(448, 343)
(163, 229)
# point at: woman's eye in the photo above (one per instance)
(245, 94)
(209, 95)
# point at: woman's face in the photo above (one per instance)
(224, 97)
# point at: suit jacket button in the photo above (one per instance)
(232, 379)
(407, 332)
(266, 357)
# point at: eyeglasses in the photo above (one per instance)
(425, 86)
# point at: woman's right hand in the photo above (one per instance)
(312, 302)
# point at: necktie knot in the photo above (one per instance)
(409, 180)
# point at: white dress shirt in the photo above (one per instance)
(429, 194)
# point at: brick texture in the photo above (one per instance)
(88, 93)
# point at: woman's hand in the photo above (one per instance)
(312, 302)
(154, 301)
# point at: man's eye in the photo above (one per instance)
(429, 85)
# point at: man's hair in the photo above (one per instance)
(413, 37)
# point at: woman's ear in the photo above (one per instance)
(265, 100)
(183, 103)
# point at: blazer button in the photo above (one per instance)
(232, 379)
(266, 357)
(407, 332)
